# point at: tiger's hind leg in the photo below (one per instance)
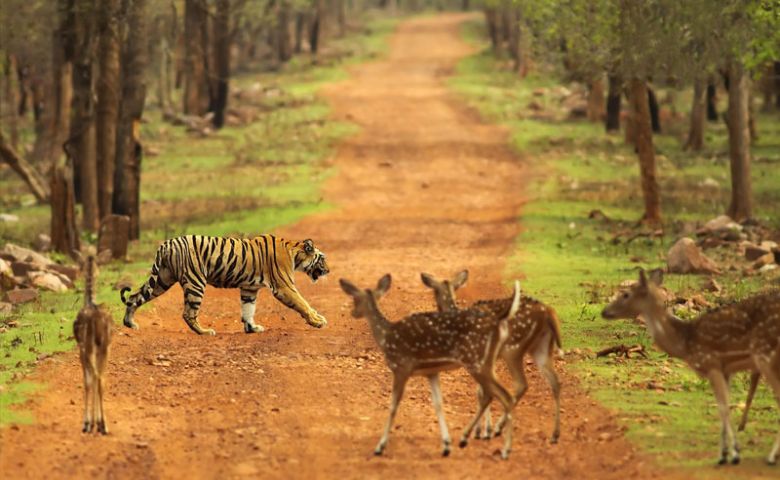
(248, 299)
(193, 296)
(157, 284)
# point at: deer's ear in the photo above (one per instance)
(642, 278)
(349, 288)
(428, 280)
(657, 276)
(460, 279)
(383, 285)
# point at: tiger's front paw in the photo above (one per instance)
(253, 328)
(316, 320)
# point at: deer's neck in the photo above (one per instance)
(667, 331)
(89, 282)
(378, 322)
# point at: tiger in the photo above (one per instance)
(247, 264)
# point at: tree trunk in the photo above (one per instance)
(491, 18)
(696, 131)
(283, 47)
(341, 16)
(512, 17)
(64, 232)
(596, 101)
(108, 86)
(712, 102)
(127, 176)
(11, 99)
(300, 26)
(614, 97)
(31, 177)
(314, 28)
(777, 84)
(741, 207)
(62, 72)
(652, 101)
(196, 85)
(646, 152)
(222, 60)
(82, 141)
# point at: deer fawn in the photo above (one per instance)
(429, 343)
(737, 337)
(92, 329)
(535, 329)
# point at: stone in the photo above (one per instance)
(47, 281)
(63, 278)
(767, 259)
(710, 182)
(768, 268)
(722, 223)
(21, 295)
(69, 271)
(711, 285)
(769, 245)
(114, 235)
(42, 242)
(685, 257)
(5, 267)
(21, 269)
(6, 308)
(8, 218)
(754, 252)
(21, 254)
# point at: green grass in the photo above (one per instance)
(242, 180)
(568, 260)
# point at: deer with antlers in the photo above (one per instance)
(534, 329)
(92, 329)
(741, 336)
(428, 343)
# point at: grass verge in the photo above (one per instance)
(569, 261)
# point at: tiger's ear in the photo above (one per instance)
(460, 279)
(308, 246)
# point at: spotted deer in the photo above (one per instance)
(741, 336)
(92, 330)
(428, 343)
(535, 329)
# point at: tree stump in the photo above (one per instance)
(114, 235)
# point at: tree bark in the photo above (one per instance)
(62, 71)
(300, 26)
(491, 18)
(82, 141)
(127, 176)
(341, 16)
(777, 84)
(222, 61)
(646, 151)
(196, 85)
(64, 232)
(652, 101)
(314, 29)
(712, 102)
(596, 101)
(31, 177)
(741, 207)
(696, 131)
(614, 97)
(108, 86)
(11, 99)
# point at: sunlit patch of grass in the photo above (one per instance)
(569, 260)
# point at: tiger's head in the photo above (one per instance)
(310, 260)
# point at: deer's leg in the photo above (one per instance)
(437, 405)
(248, 299)
(769, 368)
(728, 443)
(399, 382)
(488, 432)
(514, 361)
(87, 395)
(546, 362)
(754, 378)
(292, 298)
(193, 296)
(484, 399)
(101, 368)
(491, 385)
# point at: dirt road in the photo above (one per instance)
(425, 186)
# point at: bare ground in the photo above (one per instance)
(425, 186)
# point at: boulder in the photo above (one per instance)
(21, 254)
(723, 222)
(21, 269)
(685, 257)
(114, 235)
(8, 218)
(21, 295)
(42, 242)
(754, 252)
(47, 281)
(5, 267)
(767, 259)
(71, 272)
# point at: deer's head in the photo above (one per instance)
(645, 294)
(444, 291)
(365, 299)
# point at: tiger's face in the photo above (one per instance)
(311, 261)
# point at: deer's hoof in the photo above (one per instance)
(735, 460)
(463, 442)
